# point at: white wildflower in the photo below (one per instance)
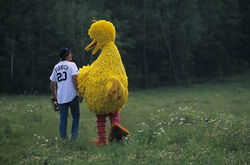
(182, 119)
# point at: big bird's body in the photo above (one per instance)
(104, 84)
(96, 80)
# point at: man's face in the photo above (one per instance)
(69, 57)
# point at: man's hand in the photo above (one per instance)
(54, 103)
(53, 97)
(80, 98)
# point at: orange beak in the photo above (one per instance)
(92, 45)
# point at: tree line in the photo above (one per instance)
(159, 41)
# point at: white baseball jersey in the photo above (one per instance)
(62, 75)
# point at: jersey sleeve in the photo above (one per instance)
(74, 70)
(53, 76)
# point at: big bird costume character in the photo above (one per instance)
(104, 84)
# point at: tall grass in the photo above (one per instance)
(200, 124)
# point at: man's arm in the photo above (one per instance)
(74, 79)
(53, 89)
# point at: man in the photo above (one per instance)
(64, 76)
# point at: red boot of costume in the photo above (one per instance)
(117, 132)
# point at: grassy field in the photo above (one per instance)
(200, 124)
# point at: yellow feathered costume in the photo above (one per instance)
(104, 84)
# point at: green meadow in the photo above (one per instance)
(205, 123)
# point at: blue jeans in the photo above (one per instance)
(75, 112)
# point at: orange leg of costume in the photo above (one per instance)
(117, 132)
(114, 118)
(101, 125)
(101, 128)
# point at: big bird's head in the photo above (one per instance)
(102, 32)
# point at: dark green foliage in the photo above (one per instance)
(159, 41)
